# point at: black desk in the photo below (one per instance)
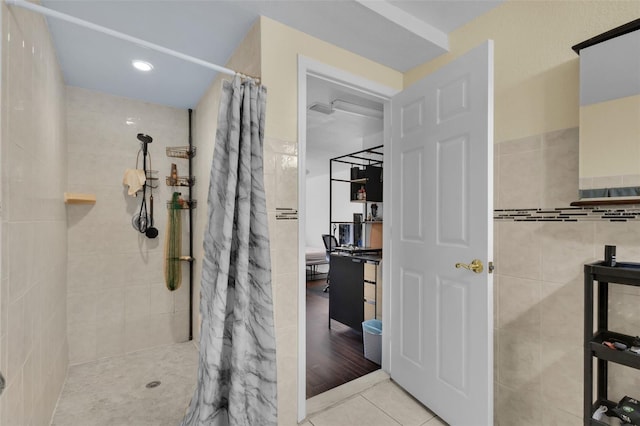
(346, 294)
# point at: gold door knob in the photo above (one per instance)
(475, 266)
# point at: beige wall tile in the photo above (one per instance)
(520, 179)
(520, 406)
(284, 246)
(542, 367)
(519, 359)
(33, 271)
(623, 313)
(284, 297)
(110, 339)
(519, 305)
(120, 269)
(82, 342)
(553, 416)
(560, 168)
(287, 364)
(566, 246)
(624, 235)
(518, 146)
(562, 309)
(496, 177)
(562, 369)
(519, 248)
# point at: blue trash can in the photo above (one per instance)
(372, 337)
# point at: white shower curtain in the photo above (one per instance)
(237, 369)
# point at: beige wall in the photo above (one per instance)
(610, 141)
(539, 286)
(117, 299)
(33, 341)
(536, 72)
(281, 47)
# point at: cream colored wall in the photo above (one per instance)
(281, 47)
(536, 72)
(117, 300)
(33, 340)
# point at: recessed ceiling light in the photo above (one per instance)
(142, 65)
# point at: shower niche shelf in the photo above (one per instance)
(181, 151)
(79, 198)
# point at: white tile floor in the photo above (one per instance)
(113, 392)
(372, 400)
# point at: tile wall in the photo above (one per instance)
(33, 342)
(117, 299)
(538, 285)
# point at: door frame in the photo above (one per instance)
(314, 68)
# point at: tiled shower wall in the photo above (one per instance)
(539, 286)
(33, 342)
(117, 299)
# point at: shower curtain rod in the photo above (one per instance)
(122, 36)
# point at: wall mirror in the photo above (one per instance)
(609, 166)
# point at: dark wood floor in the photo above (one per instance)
(334, 356)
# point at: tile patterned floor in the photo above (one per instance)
(113, 392)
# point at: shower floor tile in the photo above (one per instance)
(113, 392)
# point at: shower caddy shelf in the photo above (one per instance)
(186, 205)
(187, 153)
(181, 181)
(598, 308)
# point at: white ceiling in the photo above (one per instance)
(337, 133)
(399, 34)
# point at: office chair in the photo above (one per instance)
(330, 243)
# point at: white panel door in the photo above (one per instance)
(441, 214)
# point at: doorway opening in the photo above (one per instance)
(339, 114)
(342, 125)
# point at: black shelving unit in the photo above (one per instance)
(366, 173)
(598, 272)
(186, 152)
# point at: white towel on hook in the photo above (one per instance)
(135, 178)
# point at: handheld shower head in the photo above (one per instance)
(144, 138)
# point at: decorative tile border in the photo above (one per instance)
(569, 214)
